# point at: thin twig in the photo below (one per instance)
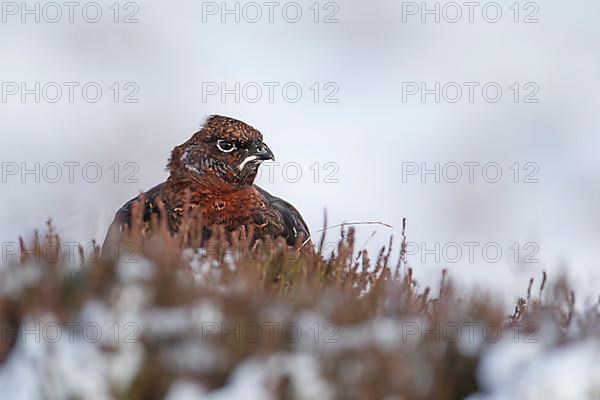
(347, 224)
(356, 223)
(362, 247)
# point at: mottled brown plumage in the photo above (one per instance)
(214, 172)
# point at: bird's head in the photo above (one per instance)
(225, 151)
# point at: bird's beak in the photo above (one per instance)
(257, 152)
(262, 152)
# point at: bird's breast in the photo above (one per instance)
(232, 209)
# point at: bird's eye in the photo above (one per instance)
(225, 146)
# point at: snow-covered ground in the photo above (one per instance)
(99, 351)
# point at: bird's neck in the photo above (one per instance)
(218, 205)
(207, 187)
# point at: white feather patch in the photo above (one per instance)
(246, 161)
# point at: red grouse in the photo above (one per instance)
(214, 172)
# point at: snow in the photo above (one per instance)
(135, 269)
(530, 371)
(63, 369)
(254, 379)
(74, 364)
(14, 279)
(54, 358)
(185, 390)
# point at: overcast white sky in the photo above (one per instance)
(178, 54)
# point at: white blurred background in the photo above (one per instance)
(179, 51)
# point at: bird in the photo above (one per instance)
(213, 172)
